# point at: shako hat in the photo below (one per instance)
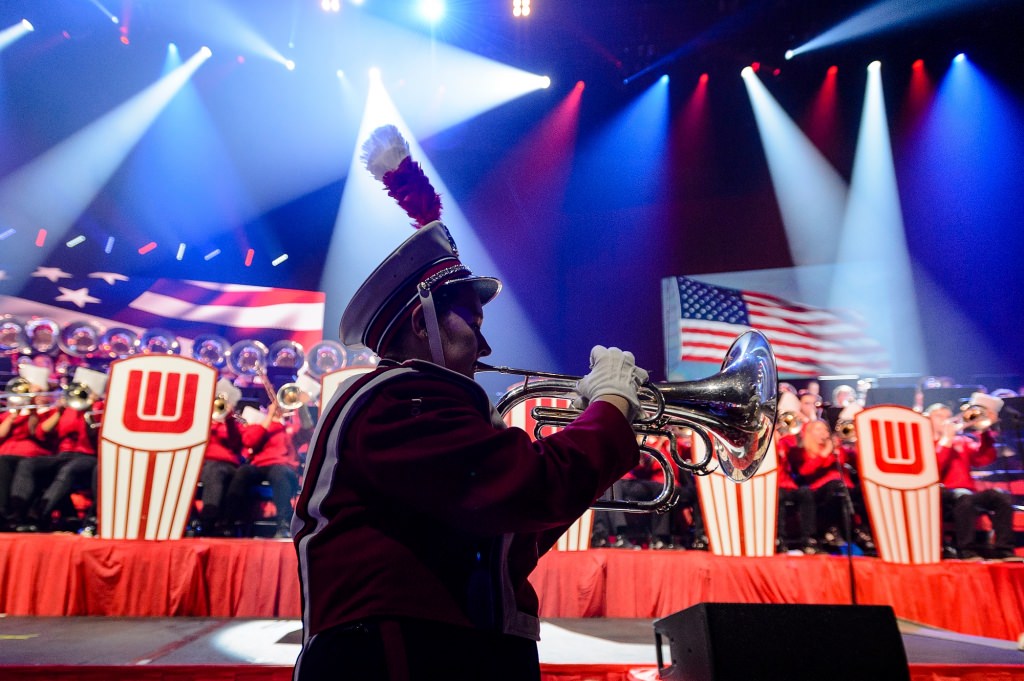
(421, 266)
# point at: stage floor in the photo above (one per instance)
(164, 641)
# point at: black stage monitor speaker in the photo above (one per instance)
(744, 641)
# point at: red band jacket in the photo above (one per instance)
(418, 502)
(225, 443)
(23, 438)
(963, 453)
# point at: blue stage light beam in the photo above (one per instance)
(873, 275)
(53, 190)
(12, 34)
(296, 115)
(961, 179)
(810, 192)
(885, 16)
(220, 25)
(370, 225)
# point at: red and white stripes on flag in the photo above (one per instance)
(807, 341)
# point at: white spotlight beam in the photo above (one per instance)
(370, 225)
(810, 192)
(51, 191)
(12, 34)
(874, 271)
(885, 16)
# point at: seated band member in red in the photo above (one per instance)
(421, 515)
(956, 454)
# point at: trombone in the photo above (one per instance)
(732, 413)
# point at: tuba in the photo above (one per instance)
(211, 350)
(80, 339)
(732, 413)
(325, 357)
(118, 343)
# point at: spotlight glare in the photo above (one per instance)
(9, 232)
(279, 259)
(703, 78)
(545, 82)
(875, 66)
(27, 25)
(340, 73)
(289, 64)
(918, 64)
(664, 79)
(374, 73)
(790, 54)
(747, 72)
(114, 19)
(206, 52)
(959, 58)
(432, 10)
(833, 70)
(171, 47)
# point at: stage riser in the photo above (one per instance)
(55, 575)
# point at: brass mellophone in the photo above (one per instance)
(732, 413)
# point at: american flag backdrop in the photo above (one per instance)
(186, 308)
(701, 322)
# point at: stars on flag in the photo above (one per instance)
(109, 277)
(54, 274)
(79, 296)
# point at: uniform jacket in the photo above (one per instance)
(419, 503)
(23, 439)
(956, 459)
(225, 443)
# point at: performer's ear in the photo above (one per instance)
(419, 324)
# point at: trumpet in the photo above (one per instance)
(789, 423)
(221, 407)
(973, 417)
(17, 395)
(732, 413)
(846, 431)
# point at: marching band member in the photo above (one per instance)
(21, 442)
(824, 467)
(957, 454)
(221, 460)
(273, 458)
(75, 430)
(796, 496)
(422, 515)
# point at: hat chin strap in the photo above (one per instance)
(433, 329)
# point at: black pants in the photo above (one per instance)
(284, 483)
(965, 507)
(216, 476)
(416, 650)
(802, 501)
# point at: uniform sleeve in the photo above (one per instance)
(429, 446)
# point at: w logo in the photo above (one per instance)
(156, 423)
(897, 447)
(159, 402)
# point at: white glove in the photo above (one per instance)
(612, 372)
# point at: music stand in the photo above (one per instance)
(899, 395)
(952, 396)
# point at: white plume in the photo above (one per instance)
(384, 150)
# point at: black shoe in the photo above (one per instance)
(284, 531)
(26, 527)
(832, 538)
(967, 554)
(700, 543)
(862, 538)
(623, 543)
(601, 543)
(810, 547)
